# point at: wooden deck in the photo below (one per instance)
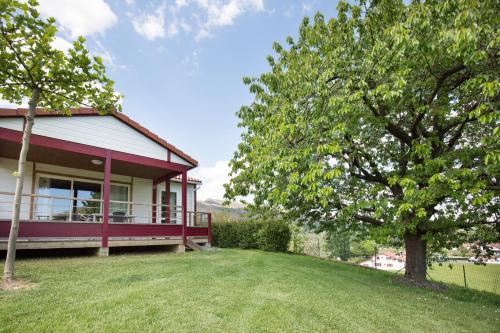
(33, 243)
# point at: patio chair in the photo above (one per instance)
(119, 217)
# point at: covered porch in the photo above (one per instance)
(99, 211)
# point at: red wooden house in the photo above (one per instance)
(99, 182)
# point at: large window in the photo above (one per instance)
(67, 199)
(119, 201)
(52, 204)
(86, 204)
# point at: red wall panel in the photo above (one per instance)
(53, 229)
(131, 230)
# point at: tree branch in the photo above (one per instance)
(440, 80)
(394, 129)
(369, 219)
(18, 56)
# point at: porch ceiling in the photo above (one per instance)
(46, 155)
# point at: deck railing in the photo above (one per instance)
(52, 208)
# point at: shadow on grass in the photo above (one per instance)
(51, 253)
(86, 252)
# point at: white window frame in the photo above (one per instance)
(168, 204)
(73, 179)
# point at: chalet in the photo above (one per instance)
(98, 182)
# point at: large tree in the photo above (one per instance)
(31, 68)
(384, 119)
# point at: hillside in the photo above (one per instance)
(215, 206)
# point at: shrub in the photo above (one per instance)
(243, 234)
(251, 234)
(275, 236)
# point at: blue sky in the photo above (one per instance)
(180, 63)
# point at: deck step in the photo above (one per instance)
(193, 245)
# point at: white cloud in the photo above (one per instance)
(79, 17)
(307, 7)
(184, 25)
(289, 11)
(213, 180)
(190, 63)
(106, 56)
(219, 14)
(181, 3)
(8, 105)
(152, 25)
(61, 44)
(130, 2)
(203, 16)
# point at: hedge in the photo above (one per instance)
(252, 234)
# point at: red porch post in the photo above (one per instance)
(210, 228)
(106, 187)
(153, 206)
(184, 206)
(167, 200)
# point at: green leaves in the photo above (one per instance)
(383, 117)
(29, 60)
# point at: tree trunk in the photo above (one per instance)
(16, 205)
(416, 257)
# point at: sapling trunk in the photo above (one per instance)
(16, 205)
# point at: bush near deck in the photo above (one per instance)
(266, 235)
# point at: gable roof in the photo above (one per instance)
(21, 112)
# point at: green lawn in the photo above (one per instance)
(232, 291)
(478, 277)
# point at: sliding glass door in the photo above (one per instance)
(54, 202)
(86, 202)
(172, 208)
(72, 199)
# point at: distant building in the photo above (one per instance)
(495, 248)
(386, 261)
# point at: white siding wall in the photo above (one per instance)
(12, 123)
(99, 131)
(142, 193)
(8, 184)
(176, 159)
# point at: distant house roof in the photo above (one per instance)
(21, 112)
(190, 179)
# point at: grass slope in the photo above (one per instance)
(486, 278)
(232, 291)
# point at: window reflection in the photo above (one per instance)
(84, 205)
(53, 208)
(77, 200)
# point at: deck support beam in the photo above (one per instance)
(180, 248)
(103, 252)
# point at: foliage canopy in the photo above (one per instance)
(383, 119)
(29, 61)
